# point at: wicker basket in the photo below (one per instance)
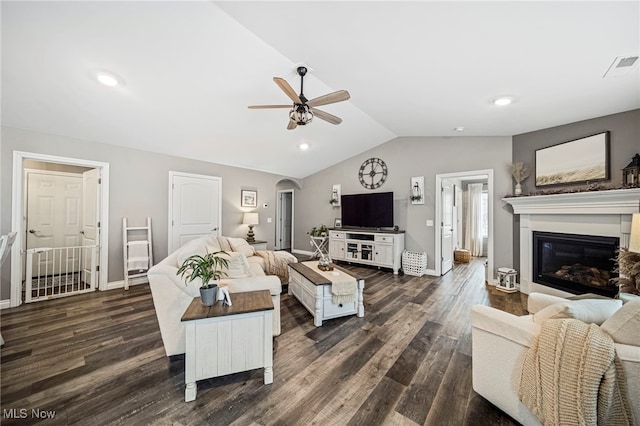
(462, 255)
(414, 263)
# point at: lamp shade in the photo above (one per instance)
(634, 238)
(251, 219)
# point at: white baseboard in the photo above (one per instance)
(431, 272)
(296, 251)
(132, 281)
(4, 304)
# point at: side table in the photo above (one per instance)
(321, 245)
(222, 340)
(259, 245)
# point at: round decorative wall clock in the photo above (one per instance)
(372, 173)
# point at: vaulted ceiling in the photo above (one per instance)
(189, 70)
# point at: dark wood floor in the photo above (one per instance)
(98, 359)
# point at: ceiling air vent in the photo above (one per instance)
(621, 65)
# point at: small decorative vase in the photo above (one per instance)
(208, 295)
(518, 190)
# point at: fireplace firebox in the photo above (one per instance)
(574, 263)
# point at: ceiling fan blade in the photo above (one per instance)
(326, 116)
(269, 106)
(287, 89)
(292, 125)
(339, 96)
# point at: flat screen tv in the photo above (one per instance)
(372, 210)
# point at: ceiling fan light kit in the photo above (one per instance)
(301, 114)
(303, 110)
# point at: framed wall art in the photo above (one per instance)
(248, 198)
(578, 161)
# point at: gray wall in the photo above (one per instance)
(138, 188)
(407, 157)
(624, 144)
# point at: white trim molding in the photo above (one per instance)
(602, 213)
(617, 201)
(4, 304)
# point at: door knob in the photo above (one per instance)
(82, 232)
(214, 229)
(32, 231)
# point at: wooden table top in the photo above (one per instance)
(242, 303)
(317, 278)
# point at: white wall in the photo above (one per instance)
(138, 188)
(407, 157)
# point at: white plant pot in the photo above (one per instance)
(518, 189)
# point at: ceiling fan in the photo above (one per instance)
(303, 110)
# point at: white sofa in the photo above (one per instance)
(172, 294)
(499, 343)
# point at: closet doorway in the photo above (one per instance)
(55, 224)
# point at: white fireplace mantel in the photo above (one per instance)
(606, 213)
(617, 201)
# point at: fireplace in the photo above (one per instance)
(575, 263)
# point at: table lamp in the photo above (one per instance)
(251, 219)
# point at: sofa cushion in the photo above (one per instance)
(590, 311)
(240, 245)
(624, 324)
(211, 242)
(196, 246)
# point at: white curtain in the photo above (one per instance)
(473, 225)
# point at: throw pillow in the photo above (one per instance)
(239, 266)
(590, 311)
(241, 246)
(624, 325)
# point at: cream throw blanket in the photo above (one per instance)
(572, 376)
(275, 263)
(343, 285)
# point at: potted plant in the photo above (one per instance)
(416, 198)
(321, 231)
(519, 172)
(333, 201)
(208, 269)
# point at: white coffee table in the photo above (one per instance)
(313, 290)
(222, 340)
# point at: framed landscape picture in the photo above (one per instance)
(577, 161)
(248, 198)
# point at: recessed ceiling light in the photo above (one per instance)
(459, 129)
(503, 101)
(304, 146)
(108, 79)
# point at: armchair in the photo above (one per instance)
(500, 341)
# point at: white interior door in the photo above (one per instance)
(54, 207)
(447, 227)
(91, 221)
(285, 211)
(195, 207)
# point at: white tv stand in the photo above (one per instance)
(378, 248)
